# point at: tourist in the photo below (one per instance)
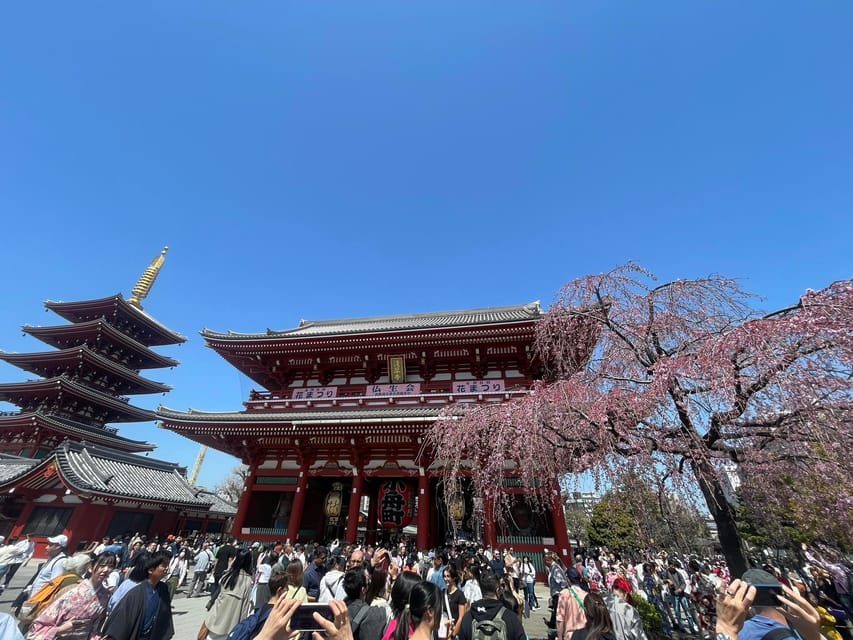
(52, 568)
(333, 580)
(176, 573)
(261, 592)
(137, 573)
(626, 621)
(453, 601)
(419, 620)
(79, 612)
(597, 624)
(72, 571)
(399, 599)
(202, 562)
(527, 573)
(145, 612)
(377, 597)
(556, 583)
(436, 574)
(295, 579)
(778, 607)
(313, 576)
(570, 608)
(233, 602)
(471, 586)
(489, 608)
(23, 551)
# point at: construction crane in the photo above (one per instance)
(197, 466)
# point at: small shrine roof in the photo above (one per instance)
(121, 409)
(91, 469)
(72, 335)
(44, 363)
(380, 324)
(116, 306)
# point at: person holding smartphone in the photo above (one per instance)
(780, 612)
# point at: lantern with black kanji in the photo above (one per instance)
(396, 503)
(332, 506)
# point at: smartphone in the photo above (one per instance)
(303, 617)
(767, 597)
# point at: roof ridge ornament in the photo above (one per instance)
(146, 280)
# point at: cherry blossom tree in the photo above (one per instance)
(683, 379)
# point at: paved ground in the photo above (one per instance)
(189, 613)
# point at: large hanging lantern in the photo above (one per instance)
(332, 506)
(396, 504)
(456, 509)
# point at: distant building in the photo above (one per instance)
(62, 469)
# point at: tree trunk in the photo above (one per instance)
(724, 516)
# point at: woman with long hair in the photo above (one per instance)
(471, 584)
(421, 614)
(293, 576)
(454, 600)
(233, 603)
(598, 624)
(80, 611)
(399, 601)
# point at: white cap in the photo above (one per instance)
(61, 540)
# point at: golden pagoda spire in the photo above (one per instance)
(146, 280)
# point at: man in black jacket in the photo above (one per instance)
(145, 613)
(490, 608)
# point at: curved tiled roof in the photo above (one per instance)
(76, 430)
(415, 321)
(107, 472)
(72, 335)
(85, 310)
(123, 410)
(13, 466)
(330, 415)
(45, 362)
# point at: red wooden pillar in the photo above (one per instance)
(423, 510)
(298, 506)
(490, 538)
(243, 507)
(370, 535)
(558, 522)
(354, 504)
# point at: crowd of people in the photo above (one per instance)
(124, 588)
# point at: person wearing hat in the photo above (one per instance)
(627, 624)
(781, 613)
(52, 568)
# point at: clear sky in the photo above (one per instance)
(336, 159)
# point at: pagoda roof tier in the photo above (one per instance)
(93, 471)
(64, 397)
(21, 427)
(121, 314)
(385, 324)
(240, 433)
(77, 362)
(101, 336)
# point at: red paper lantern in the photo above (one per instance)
(396, 503)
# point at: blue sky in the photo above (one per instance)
(328, 160)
